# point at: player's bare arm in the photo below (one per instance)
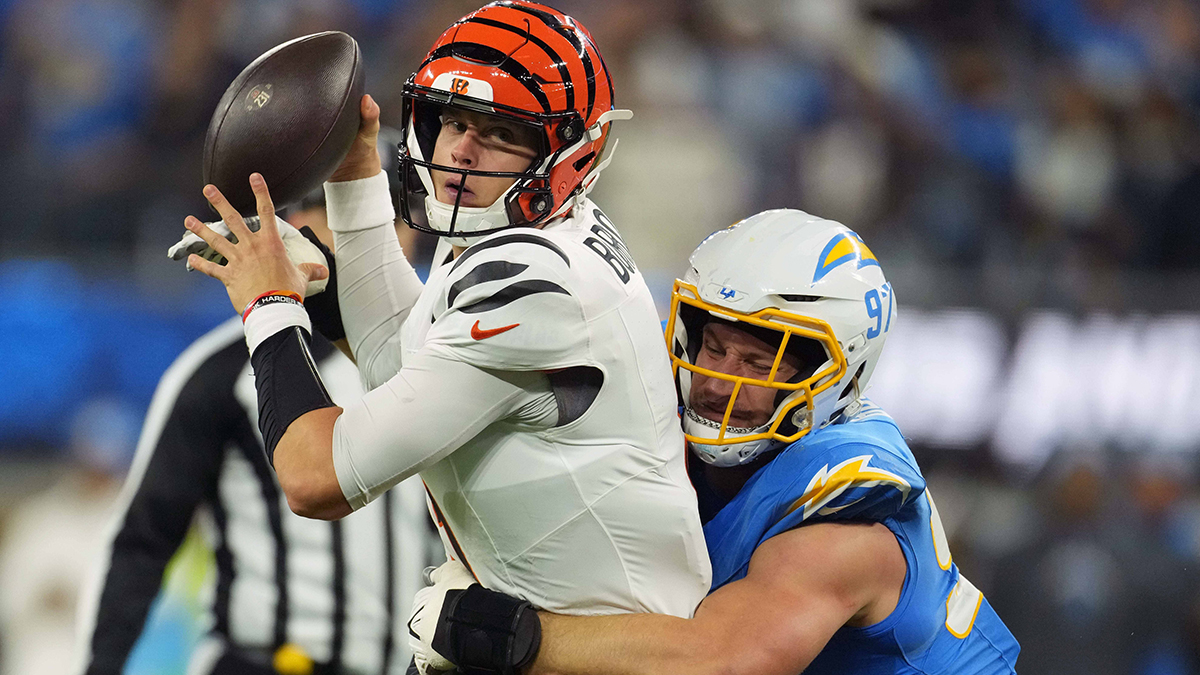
(802, 587)
(258, 264)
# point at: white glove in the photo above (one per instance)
(299, 249)
(427, 607)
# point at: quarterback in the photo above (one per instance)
(525, 380)
(827, 550)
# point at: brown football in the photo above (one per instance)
(291, 115)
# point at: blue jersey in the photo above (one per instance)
(861, 470)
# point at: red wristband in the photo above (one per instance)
(272, 297)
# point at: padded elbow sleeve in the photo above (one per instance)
(288, 384)
(486, 632)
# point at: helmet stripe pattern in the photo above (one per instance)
(563, 71)
(484, 54)
(573, 37)
(532, 65)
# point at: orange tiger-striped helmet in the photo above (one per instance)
(527, 63)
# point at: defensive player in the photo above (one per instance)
(828, 554)
(526, 380)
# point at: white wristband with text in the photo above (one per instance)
(268, 320)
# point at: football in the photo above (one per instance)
(291, 115)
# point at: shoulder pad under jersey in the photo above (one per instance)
(845, 472)
(858, 471)
(509, 303)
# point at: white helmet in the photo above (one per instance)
(810, 286)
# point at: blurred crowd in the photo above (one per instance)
(1002, 154)
(968, 133)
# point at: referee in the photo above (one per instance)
(293, 595)
(289, 590)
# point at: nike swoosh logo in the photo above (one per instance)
(483, 334)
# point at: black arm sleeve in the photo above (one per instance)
(180, 473)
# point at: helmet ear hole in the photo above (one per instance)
(583, 161)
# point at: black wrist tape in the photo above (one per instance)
(486, 632)
(323, 308)
(288, 384)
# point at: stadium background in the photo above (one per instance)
(1028, 171)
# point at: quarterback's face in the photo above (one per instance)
(729, 350)
(471, 140)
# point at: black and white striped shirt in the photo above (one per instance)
(339, 590)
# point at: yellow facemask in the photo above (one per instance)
(790, 325)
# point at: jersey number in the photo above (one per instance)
(608, 245)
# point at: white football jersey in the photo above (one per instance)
(528, 382)
(592, 513)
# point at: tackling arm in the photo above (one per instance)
(802, 586)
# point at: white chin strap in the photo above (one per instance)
(732, 454)
(470, 219)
